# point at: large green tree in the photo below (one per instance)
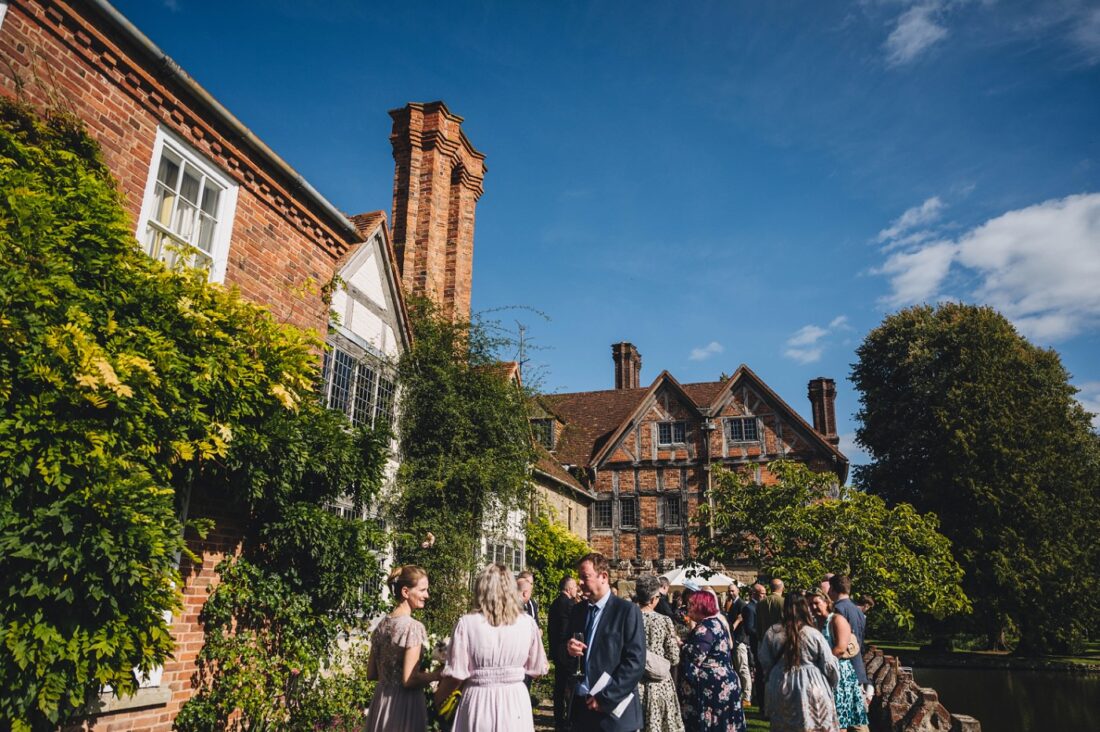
(802, 526)
(126, 387)
(466, 453)
(964, 417)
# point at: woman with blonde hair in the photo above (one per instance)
(492, 650)
(398, 703)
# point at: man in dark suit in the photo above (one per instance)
(525, 583)
(614, 644)
(557, 629)
(664, 607)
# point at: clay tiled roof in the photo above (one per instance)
(590, 418)
(549, 465)
(366, 223)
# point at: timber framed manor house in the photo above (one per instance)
(647, 452)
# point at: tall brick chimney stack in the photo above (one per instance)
(628, 365)
(822, 393)
(437, 182)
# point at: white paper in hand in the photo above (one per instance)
(600, 685)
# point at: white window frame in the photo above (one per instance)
(227, 202)
(3, 11)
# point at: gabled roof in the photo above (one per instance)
(366, 224)
(595, 419)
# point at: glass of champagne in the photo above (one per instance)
(579, 672)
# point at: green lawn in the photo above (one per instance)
(755, 721)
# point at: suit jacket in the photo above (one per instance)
(557, 629)
(618, 649)
(665, 608)
(769, 611)
(532, 609)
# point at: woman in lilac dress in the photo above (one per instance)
(710, 691)
(492, 650)
(398, 704)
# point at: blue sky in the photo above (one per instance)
(717, 182)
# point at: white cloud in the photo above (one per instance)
(1089, 396)
(916, 31)
(1039, 265)
(805, 344)
(921, 215)
(916, 276)
(711, 349)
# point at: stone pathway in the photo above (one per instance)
(544, 716)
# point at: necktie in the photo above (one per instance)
(589, 626)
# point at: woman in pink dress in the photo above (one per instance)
(398, 704)
(492, 650)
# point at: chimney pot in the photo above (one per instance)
(628, 365)
(822, 393)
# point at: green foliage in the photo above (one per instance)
(552, 553)
(125, 388)
(795, 529)
(963, 417)
(466, 451)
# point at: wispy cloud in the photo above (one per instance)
(916, 31)
(921, 215)
(1085, 35)
(711, 349)
(807, 344)
(1038, 265)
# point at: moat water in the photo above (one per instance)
(1018, 701)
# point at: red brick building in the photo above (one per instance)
(194, 177)
(647, 451)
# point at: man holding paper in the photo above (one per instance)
(612, 653)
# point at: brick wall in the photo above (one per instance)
(65, 56)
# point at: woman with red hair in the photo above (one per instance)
(710, 692)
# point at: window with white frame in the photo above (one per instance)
(742, 429)
(357, 387)
(508, 552)
(187, 213)
(671, 433)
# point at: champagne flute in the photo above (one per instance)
(579, 672)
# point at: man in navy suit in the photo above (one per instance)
(614, 643)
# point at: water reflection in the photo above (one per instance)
(1018, 701)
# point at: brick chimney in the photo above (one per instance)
(628, 365)
(437, 182)
(822, 393)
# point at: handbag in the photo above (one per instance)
(657, 667)
(450, 705)
(852, 649)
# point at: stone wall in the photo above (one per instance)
(900, 705)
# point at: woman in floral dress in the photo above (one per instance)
(710, 692)
(658, 697)
(848, 695)
(801, 672)
(399, 704)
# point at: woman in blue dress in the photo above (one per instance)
(710, 692)
(848, 695)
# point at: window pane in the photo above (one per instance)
(163, 201)
(364, 395)
(679, 432)
(210, 196)
(189, 184)
(168, 171)
(664, 433)
(206, 233)
(184, 224)
(750, 430)
(385, 400)
(340, 392)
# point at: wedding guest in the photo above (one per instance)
(710, 693)
(492, 651)
(802, 672)
(657, 692)
(398, 704)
